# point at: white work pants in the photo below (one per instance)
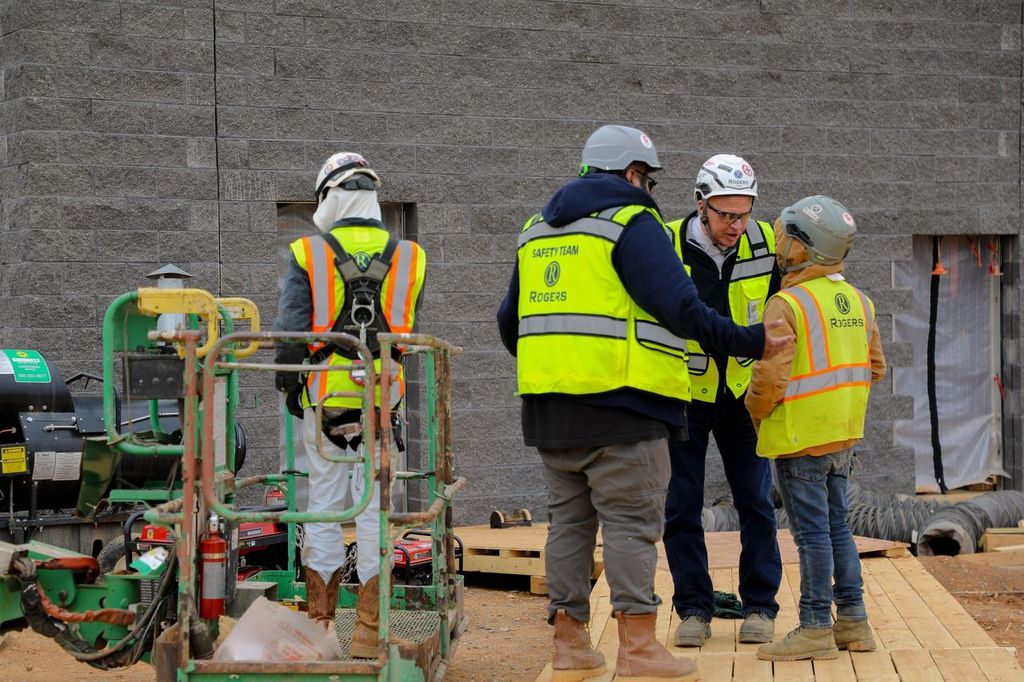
(329, 486)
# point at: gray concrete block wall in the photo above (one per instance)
(142, 132)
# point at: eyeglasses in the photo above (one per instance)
(647, 181)
(729, 217)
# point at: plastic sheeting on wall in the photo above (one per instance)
(960, 418)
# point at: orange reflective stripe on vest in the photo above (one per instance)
(823, 376)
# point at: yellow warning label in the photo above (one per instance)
(13, 460)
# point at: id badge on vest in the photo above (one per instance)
(752, 317)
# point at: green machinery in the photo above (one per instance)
(118, 618)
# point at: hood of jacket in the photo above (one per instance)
(583, 196)
(790, 252)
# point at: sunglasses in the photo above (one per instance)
(729, 217)
(648, 182)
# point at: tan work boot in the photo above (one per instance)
(801, 644)
(757, 628)
(854, 635)
(575, 659)
(642, 658)
(322, 598)
(692, 631)
(364, 636)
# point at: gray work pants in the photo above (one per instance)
(623, 487)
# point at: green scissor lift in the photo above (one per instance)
(426, 619)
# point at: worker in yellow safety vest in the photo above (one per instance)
(353, 277)
(809, 405)
(597, 312)
(731, 259)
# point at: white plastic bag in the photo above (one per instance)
(268, 631)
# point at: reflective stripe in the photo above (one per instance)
(697, 363)
(755, 237)
(840, 377)
(322, 318)
(756, 267)
(605, 229)
(401, 280)
(869, 317)
(609, 213)
(586, 325)
(655, 333)
(814, 326)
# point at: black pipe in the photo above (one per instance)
(933, 409)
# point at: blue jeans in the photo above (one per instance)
(750, 480)
(813, 490)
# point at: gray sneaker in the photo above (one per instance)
(692, 631)
(757, 628)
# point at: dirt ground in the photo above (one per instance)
(507, 639)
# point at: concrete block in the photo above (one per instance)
(155, 150)
(245, 60)
(113, 50)
(155, 86)
(247, 122)
(148, 214)
(183, 55)
(148, 20)
(187, 183)
(193, 121)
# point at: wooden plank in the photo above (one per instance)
(747, 667)
(712, 667)
(723, 631)
(957, 664)
(875, 666)
(891, 631)
(838, 670)
(946, 608)
(990, 541)
(538, 584)
(915, 665)
(793, 671)
(1010, 548)
(999, 664)
(927, 628)
(486, 563)
(724, 548)
(994, 558)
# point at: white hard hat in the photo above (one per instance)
(346, 170)
(725, 174)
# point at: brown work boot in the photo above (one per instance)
(642, 658)
(322, 598)
(854, 635)
(801, 644)
(364, 636)
(575, 659)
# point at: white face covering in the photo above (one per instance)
(340, 204)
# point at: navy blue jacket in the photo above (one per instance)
(653, 276)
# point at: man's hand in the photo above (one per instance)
(773, 343)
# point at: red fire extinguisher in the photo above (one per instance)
(213, 561)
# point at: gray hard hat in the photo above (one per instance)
(614, 147)
(823, 226)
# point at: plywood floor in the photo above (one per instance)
(922, 631)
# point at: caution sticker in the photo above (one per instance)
(27, 366)
(13, 460)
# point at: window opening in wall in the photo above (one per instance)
(295, 220)
(953, 327)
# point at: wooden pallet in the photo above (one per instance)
(511, 551)
(520, 551)
(922, 632)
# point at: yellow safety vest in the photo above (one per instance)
(580, 332)
(827, 394)
(399, 294)
(748, 292)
